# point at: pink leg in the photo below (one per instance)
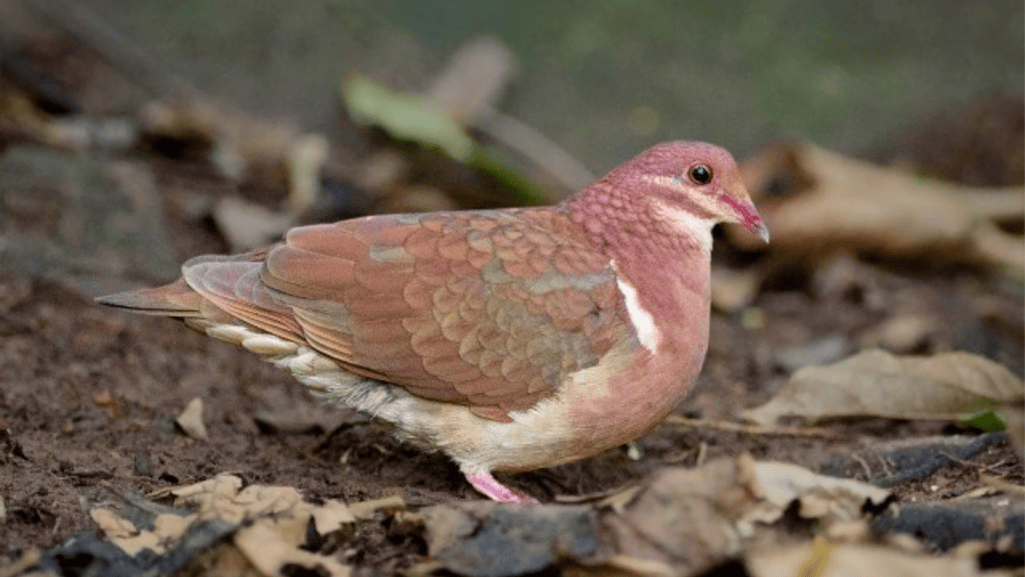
(491, 488)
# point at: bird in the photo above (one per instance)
(509, 339)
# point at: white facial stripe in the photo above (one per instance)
(642, 321)
(699, 228)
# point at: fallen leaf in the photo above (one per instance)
(269, 528)
(167, 528)
(419, 118)
(780, 484)
(191, 419)
(818, 202)
(270, 555)
(332, 516)
(877, 383)
(856, 560)
(406, 116)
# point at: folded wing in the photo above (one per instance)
(484, 308)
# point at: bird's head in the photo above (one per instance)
(691, 184)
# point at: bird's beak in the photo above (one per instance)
(758, 228)
(748, 216)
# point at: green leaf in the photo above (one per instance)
(415, 117)
(406, 116)
(987, 420)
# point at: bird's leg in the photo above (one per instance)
(491, 488)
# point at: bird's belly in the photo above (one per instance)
(547, 434)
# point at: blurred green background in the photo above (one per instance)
(606, 78)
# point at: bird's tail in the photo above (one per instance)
(173, 300)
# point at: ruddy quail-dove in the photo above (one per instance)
(509, 339)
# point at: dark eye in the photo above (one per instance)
(700, 174)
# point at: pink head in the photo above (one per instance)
(691, 180)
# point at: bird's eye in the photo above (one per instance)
(700, 174)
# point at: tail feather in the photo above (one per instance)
(173, 300)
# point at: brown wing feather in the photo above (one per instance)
(489, 309)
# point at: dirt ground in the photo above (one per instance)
(89, 396)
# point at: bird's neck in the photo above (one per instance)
(640, 235)
(666, 262)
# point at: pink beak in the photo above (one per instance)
(750, 218)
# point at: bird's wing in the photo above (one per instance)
(491, 309)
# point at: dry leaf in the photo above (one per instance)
(820, 496)
(167, 528)
(857, 560)
(265, 549)
(191, 419)
(842, 204)
(694, 519)
(270, 526)
(331, 516)
(877, 383)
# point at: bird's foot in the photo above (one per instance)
(491, 488)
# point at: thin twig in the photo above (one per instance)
(864, 465)
(536, 147)
(749, 429)
(702, 452)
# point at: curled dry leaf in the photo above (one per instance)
(877, 383)
(815, 202)
(191, 419)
